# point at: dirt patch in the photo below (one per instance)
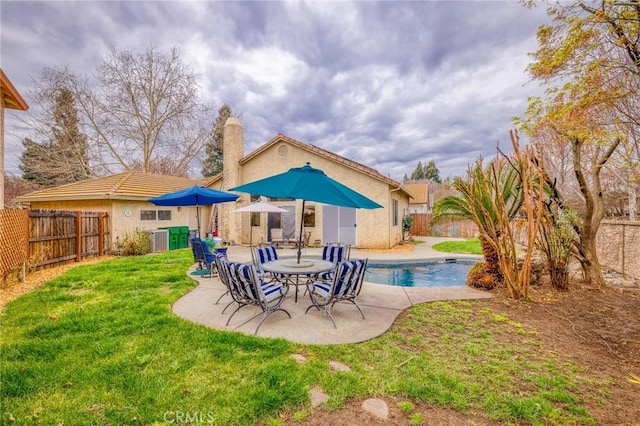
(595, 328)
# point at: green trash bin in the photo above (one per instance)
(174, 235)
(183, 236)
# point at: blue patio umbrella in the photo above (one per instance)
(308, 184)
(194, 196)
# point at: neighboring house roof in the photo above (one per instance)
(329, 155)
(135, 186)
(211, 180)
(420, 192)
(10, 97)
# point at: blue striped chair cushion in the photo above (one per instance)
(333, 254)
(323, 289)
(348, 277)
(268, 291)
(266, 254)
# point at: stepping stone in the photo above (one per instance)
(318, 397)
(376, 407)
(338, 366)
(300, 358)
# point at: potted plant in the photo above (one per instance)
(210, 243)
(222, 249)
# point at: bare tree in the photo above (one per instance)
(14, 186)
(138, 111)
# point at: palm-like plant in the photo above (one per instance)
(484, 197)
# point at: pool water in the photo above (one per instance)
(433, 273)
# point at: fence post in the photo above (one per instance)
(100, 234)
(27, 249)
(78, 236)
(624, 272)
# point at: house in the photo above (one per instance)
(377, 228)
(9, 98)
(125, 197)
(420, 202)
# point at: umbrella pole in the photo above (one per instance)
(300, 235)
(198, 218)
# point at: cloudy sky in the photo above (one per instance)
(386, 84)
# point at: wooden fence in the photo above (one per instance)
(446, 228)
(45, 238)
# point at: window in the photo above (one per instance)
(309, 216)
(394, 204)
(255, 219)
(155, 215)
(148, 215)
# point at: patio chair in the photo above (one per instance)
(198, 254)
(267, 296)
(221, 262)
(276, 236)
(202, 255)
(335, 253)
(266, 254)
(239, 294)
(345, 287)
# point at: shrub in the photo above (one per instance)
(407, 221)
(133, 244)
(478, 277)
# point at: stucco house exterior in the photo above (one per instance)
(378, 228)
(125, 196)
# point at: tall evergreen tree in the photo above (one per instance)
(418, 173)
(431, 172)
(213, 163)
(63, 158)
(33, 163)
(70, 144)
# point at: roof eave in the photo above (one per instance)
(82, 197)
(10, 96)
(320, 151)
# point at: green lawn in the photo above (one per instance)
(468, 246)
(100, 345)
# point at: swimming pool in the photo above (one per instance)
(432, 273)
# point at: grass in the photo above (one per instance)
(468, 246)
(100, 345)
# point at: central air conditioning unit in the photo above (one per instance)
(159, 240)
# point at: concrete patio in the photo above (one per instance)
(381, 304)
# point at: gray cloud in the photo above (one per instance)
(386, 84)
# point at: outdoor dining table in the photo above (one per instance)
(293, 270)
